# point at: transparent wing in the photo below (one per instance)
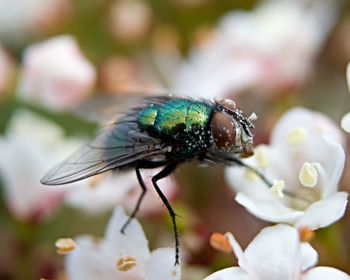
(118, 145)
(107, 108)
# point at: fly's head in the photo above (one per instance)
(231, 130)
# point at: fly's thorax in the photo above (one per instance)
(182, 123)
(231, 129)
(178, 117)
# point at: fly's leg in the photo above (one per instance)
(137, 207)
(254, 170)
(257, 172)
(264, 179)
(162, 174)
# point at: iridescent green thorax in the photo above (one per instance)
(148, 116)
(181, 119)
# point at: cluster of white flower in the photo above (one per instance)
(120, 256)
(276, 253)
(305, 160)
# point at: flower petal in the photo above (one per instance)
(282, 246)
(325, 273)
(161, 265)
(131, 244)
(229, 274)
(86, 262)
(334, 167)
(242, 260)
(59, 88)
(102, 197)
(26, 198)
(309, 256)
(313, 122)
(345, 122)
(269, 208)
(324, 212)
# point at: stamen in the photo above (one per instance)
(277, 187)
(306, 234)
(308, 175)
(126, 263)
(251, 175)
(64, 245)
(297, 136)
(261, 156)
(96, 180)
(219, 242)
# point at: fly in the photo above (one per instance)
(163, 132)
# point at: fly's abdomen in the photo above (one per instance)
(183, 120)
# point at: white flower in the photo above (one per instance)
(120, 256)
(21, 19)
(31, 144)
(345, 122)
(276, 253)
(56, 74)
(305, 152)
(263, 49)
(103, 192)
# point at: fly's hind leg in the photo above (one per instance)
(168, 169)
(141, 165)
(139, 201)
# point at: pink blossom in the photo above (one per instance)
(262, 49)
(56, 74)
(26, 151)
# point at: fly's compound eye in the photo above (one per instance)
(223, 131)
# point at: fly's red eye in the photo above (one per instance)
(223, 130)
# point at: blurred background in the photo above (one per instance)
(55, 55)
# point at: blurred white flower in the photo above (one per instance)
(276, 253)
(345, 122)
(130, 20)
(100, 193)
(31, 144)
(306, 154)
(262, 50)
(7, 69)
(120, 256)
(103, 192)
(56, 74)
(21, 19)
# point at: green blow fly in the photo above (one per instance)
(163, 132)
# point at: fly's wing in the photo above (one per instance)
(107, 108)
(120, 144)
